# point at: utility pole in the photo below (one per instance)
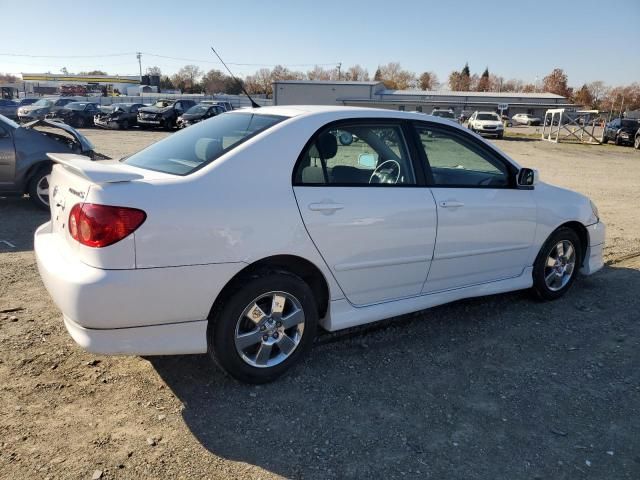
(339, 67)
(139, 57)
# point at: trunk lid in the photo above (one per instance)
(72, 180)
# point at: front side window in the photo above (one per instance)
(457, 161)
(356, 155)
(191, 148)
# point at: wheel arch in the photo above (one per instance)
(33, 170)
(294, 264)
(583, 236)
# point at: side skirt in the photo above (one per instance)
(344, 315)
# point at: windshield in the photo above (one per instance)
(75, 106)
(443, 114)
(630, 123)
(43, 103)
(196, 146)
(488, 116)
(199, 109)
(162, 104)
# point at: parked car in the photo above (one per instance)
(506, 121)
(621, 131)
(25, 167)
(448, 114)
(239, 236)
(76, 114)
(199, 112)
(39, 109)
(486, 123)
(119, 116)
(164, 113)
(526, 119)
(226, 105)
(27, 101)
(8, 108)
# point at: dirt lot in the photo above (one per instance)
(496, 387)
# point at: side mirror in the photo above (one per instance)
(367, 160)
(527, 177)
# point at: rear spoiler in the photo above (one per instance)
(96, 172)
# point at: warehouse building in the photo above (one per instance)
(374, 94)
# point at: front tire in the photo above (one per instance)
(557, 264)
(263, 329)
(39, 189)
(636, 142)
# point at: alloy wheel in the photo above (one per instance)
(42, 189)
(560, 265)
(269, 329)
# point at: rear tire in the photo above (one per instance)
(39, 188)
(556, 266)
(257, 345)
(605, 139)
(124, 125)
(618, 142)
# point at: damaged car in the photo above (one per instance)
(119, 116)
(24, 165)
(164, 113)
(76, 114)
(38, 110)
(199, 112)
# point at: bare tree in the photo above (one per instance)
(214, 81)
(598, 90)
(395, 78)
(356, 73)
(583, 97)
(154, 71)
(428, 81)
(187, 78)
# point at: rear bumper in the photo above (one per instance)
(171, 339)
(141, 311)
(593, 259)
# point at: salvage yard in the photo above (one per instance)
(494, 387)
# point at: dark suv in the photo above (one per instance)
(621, 131)
(164, 113)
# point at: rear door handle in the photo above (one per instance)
(451, 204)
(325, 207)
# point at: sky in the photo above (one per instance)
(590, 40)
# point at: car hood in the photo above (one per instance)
(31, 108)
(84, 142)
(488, 123)
(155, 109)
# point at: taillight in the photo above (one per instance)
(102, 225)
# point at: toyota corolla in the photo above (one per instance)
(243, 234)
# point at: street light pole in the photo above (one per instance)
(139, 57)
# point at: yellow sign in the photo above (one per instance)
(44, 77)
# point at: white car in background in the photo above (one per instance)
(486, 123)
(526, 119)
(242, 234)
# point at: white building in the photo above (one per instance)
(374, 94)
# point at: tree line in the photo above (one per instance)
(596, 95)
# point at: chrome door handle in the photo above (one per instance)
(451, 204)
(325, 207)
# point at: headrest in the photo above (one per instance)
(208, 148)
(327, 145)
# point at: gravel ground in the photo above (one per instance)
(495, 387)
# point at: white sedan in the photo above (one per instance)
(486, 123)
(241, 235)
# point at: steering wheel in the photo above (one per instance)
(388, 174)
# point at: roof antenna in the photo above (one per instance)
(253, 103)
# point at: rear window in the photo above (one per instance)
(191, 148)
(487, 116)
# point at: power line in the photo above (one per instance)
(183, 59)
(66, 56)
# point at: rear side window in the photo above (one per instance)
(356, 155)
(191, 148)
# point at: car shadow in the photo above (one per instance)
(508, 138)
(19, 219)
(457, 390)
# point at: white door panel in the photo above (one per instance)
(377, 241)
(484, 235)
